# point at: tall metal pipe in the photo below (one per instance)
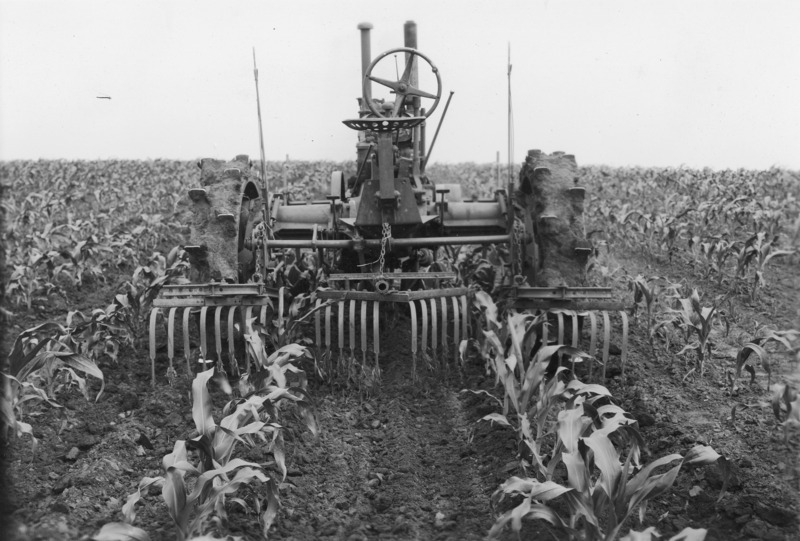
(410, 41)
(366, 50)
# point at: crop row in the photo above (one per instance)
(69, 222)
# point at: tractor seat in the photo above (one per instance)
(387, 124)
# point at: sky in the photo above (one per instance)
(671, 83)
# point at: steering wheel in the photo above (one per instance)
(402, 88)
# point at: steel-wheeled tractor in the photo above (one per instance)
(384, 239)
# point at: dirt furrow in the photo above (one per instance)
(401, 464)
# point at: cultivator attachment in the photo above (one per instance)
(350, 320)
(568, 309)
(382, 241)
(221, 313)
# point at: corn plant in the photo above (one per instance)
(697, 322)
(252, 421)
(786, 407)
(716, 254)
(45, 354)
(646, 292)
(758, 346)
(40, 365)
(601, 493)
(18, 399)
(757, 252)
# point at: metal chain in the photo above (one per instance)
(387, 233)
(519, 232)
(260, 245)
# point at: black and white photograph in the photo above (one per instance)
(427, 270)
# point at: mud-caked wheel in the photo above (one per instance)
(226, 207)
(550, 207)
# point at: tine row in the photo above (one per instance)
(574, 327)
(443, 319)
(221, 315)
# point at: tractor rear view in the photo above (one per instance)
(384, 241)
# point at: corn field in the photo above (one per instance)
(696, 438)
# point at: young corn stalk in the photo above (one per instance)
(196, 492)
(646, 291)
(757, 251)
(697, 320)
(601, 492)
(786, 396)
(531, 395)
(759, 347)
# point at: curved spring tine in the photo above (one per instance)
(413, 311)
(464, 315)
(231, 341)
(281, 293)
(593, 335)
(424, 306)
(171, 336)
(575, 330)
(204, 335)
(153, 317)
(328, 327)
(218, 334)
(376, 328)
(317, 319)
(264, 314)
(624, 348)
(248, 314)
(592, 341)
(444, 328)
(434, 328)
(607, 341)
(364, 330)
(456, 329)
(340, 323)
(186, 345)
(352, 328)
(545, 328)
(560, 319)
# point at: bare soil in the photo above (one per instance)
(412, 461)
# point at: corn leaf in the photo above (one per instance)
(174, 493)
(547, 490)
(690, 534)
(571, 424)
(120, 531)
(577, 475)
(202, 406)
(484, 302)
(606, 459)
(652, 487)
(18, 359)
(271, 511)
(128, 510)
(638, 480)
(701, 455)
(83, 364)
(745, 352)
(647, 535)
(517, 485)
(496, 418)
(203, 484)
(178, 454)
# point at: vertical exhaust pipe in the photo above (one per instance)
(410, 42)
(366, 52)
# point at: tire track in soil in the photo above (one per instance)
(401, 464)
